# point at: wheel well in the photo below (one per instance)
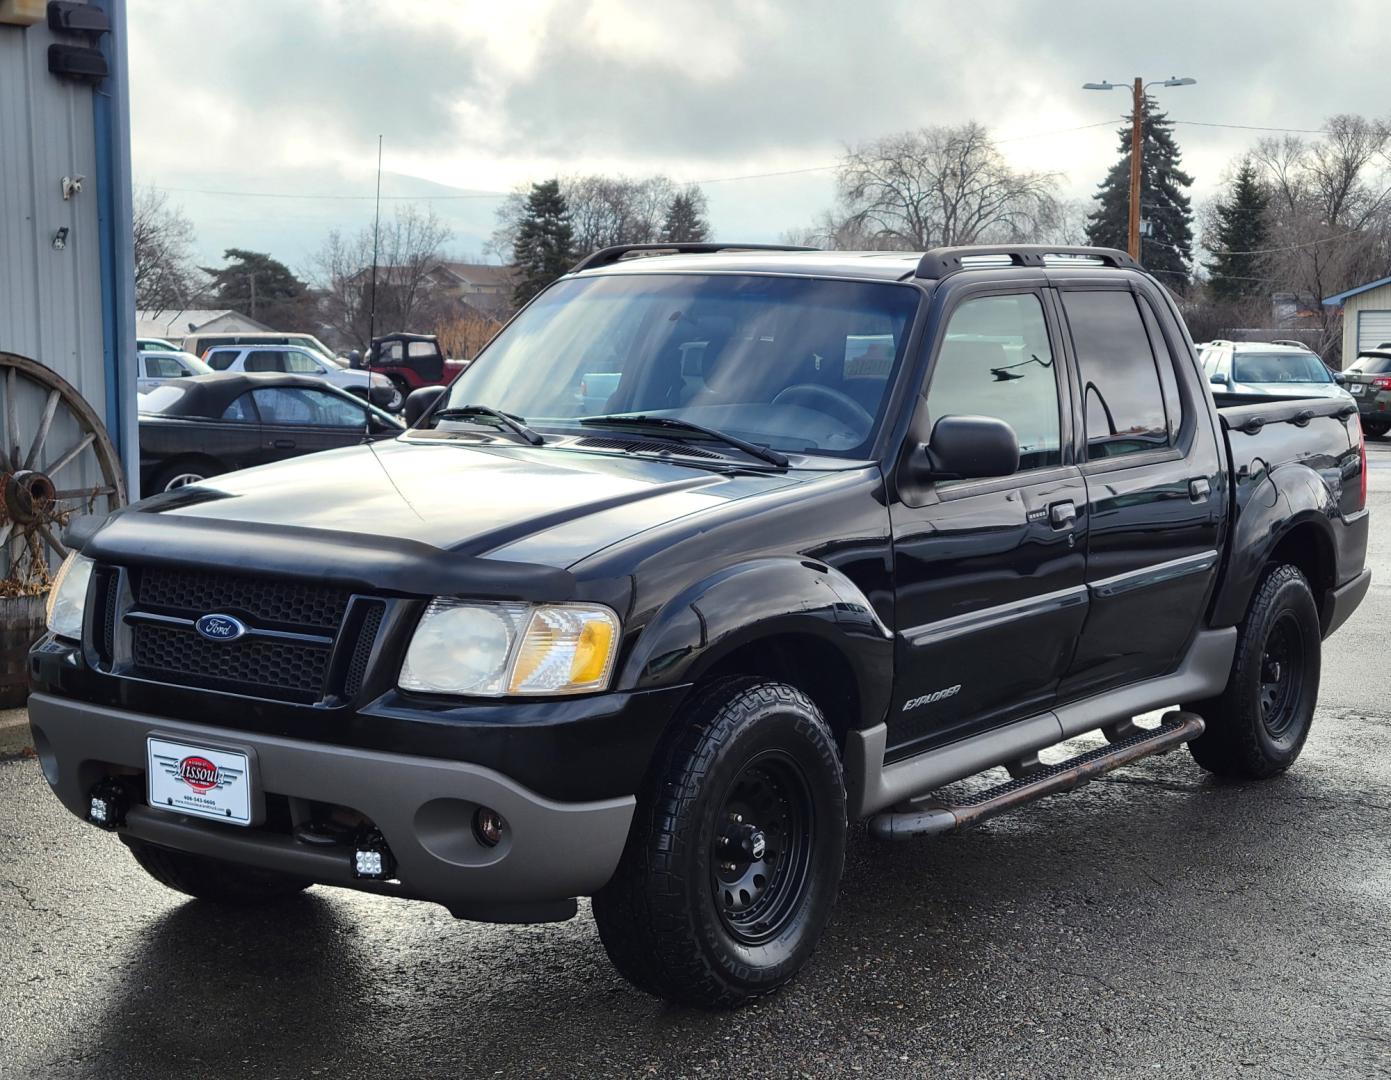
(1307, 548)
(811, 664)
(183, 461)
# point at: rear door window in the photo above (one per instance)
(265, 360)
(1122, 398)
(316, 408)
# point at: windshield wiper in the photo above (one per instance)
(763, 453)
(507, 420)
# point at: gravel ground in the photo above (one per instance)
(1155, 923)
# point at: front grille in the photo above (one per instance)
(290, 670)
(259, 666)
(362, 651)
(265, 601)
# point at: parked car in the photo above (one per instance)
(154, 344)
(1368, 379)
(1269, 369)
(202, 427)
(296, 361)
(411, 361)
(199, 344)
(157, 366)
(901, 519)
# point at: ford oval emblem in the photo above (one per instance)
(220, 627)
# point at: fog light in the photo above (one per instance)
(372, 859)
(106, 805)
(487, 826)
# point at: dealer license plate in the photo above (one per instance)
(196, 780)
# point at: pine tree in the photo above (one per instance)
(685, 221)
(254, 283)
(1168, 249)
(544, 248)
(1240, 228)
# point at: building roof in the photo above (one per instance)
(1338, 299)
(177, 322)
(481, 273)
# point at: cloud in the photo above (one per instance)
(488, 95)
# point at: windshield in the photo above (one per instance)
(1291, 367)
(799, 365)
(1372, 365)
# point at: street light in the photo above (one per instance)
(1137, 120)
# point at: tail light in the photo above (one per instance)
(1362, 455)
(1382, 383)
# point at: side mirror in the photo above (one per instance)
(971, 448)
(419, 402)
(1339, 378)
(1217, 377)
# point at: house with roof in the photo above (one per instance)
(173, 324)
(1366, 316)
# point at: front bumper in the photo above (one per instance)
(551, 851)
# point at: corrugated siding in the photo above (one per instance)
(50, 301)
(1378, 299)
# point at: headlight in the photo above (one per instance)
(68, 597)
(488, 650)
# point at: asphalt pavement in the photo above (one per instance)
(1156, 923)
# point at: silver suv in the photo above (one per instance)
(297, 361)
(1268, 369)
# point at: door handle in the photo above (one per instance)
(1062, 515)
(283, 444)
(1199, 489)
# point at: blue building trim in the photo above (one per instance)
(111, 114)
(1342, 297)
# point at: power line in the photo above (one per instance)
(1251, 127)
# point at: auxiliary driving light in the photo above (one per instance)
(106, 804)
(487, 826)
(372, 859)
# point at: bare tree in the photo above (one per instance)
(406, 297)
(165, 275)
(1330, 213)
(939, 185)
(604, 210)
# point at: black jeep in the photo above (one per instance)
(843, 529)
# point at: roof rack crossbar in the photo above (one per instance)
(939, 262)
(610, 255)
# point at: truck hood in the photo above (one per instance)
(466, 497)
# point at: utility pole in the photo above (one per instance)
(1137, 125)
(1137, 142)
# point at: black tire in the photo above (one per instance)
(213, 879)
(706, 907)
(177, 474)
(1257, 728)
(1376, 429)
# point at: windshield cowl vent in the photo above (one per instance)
(645, 446)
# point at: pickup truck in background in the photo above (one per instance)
(846, 529)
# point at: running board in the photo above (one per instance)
(930, 817)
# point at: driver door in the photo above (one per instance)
(989, 574)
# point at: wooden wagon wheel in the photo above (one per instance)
(56, 460)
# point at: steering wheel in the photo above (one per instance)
(842, 405)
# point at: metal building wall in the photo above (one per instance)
(67, 308)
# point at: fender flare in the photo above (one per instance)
(704, 624)
(1297, 498)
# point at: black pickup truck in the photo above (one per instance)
(847, 528)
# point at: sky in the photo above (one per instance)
(260, 118)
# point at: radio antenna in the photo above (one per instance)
(372, 303)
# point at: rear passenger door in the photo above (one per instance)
(989, 574)
(1149, 456)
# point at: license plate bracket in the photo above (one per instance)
(196, 779)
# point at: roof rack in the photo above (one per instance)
(610, 255)
(939, 262)
(1290, 341)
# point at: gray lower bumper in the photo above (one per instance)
(424, 808)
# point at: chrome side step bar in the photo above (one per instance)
(1127, 744)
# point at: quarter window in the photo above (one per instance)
(996, 360)
(1121, 394)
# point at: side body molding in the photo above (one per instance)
(873, 786)
(764, 598)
